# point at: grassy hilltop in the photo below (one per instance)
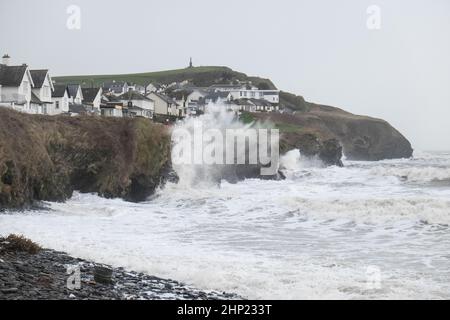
(200, 76)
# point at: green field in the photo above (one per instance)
(199, 76)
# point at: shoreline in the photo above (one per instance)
(44, 276)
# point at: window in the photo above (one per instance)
(57, 104)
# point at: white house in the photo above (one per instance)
(116, 87)
(16, 84)
(138, 104)
(92, 97)
(60, 99)
(76, 94)
(243, 91)
(42, 91)
(186, 98)
(153, 87)
(218, 97)
(165, 105)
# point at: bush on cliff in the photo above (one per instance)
(47, 158)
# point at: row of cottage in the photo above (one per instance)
(33, 91)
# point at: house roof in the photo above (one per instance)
(214, 96)
(73, 89)
(60, 90)
(12, 76)
(115, 86)
(243, 102)
(180, 94)
(35, 99)
(163, 97)
(261, 102)
(38, 77)
(80, 108)
(89, 94)
(133, 95)
(77, 108)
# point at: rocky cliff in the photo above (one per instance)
(318, 130)
(47, 158)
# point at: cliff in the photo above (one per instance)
(47, 158)
(315, 128)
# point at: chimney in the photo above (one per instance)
(5, 59)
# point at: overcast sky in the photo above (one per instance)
(321, 49)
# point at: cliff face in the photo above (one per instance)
(47, 158)
(361, 137)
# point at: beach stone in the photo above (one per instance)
(43, 276)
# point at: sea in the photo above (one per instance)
(368, 230)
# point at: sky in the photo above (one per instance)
(388, 59)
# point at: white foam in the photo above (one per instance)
(311, 236)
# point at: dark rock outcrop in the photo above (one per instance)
(47, 158)
(361, 137)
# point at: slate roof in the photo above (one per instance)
(214, 96)
(38, 77)
(11, 76)
(261, 102)
(73, 88)
(180, 94)
(34, 99)
(165, 98)
(77, 108)
(89, 94)
(81, 108)
(133, 95)
(59, 91)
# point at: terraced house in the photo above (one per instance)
(41, 93)
(16, 86)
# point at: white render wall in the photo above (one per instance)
(45, 92)
(63, 105)
(144, 104)
(269, 95)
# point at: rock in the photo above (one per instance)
(17, 283)
(331, 152)
(127, 158)
(9, 290)
(361, 137)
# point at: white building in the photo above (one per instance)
(76, 95)
(247, 92)
(92, 97)
(41, 96)
(272, 96)
(60, 100)
(116, 87)
(165, 105)
(138, 104)
(16, 86)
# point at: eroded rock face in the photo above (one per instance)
(329, 151)
(361, 137)
(47, 158)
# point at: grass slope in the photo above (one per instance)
(200, 76)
